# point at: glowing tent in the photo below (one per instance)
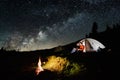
(88, 45)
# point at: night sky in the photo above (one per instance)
(39, 24)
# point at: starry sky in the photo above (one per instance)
(41, 24)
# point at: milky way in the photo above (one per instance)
(39, 24)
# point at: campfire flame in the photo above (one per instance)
(39, 67)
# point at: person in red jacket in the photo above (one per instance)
(81, 47)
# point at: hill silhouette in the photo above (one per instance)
(100, 65)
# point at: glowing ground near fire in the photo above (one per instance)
(57, 64)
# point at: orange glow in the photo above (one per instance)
(56, 63)
(39, 67)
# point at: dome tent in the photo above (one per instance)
(89, 45)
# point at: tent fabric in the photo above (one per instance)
(88, 46)
(91, 44)
(96, 44)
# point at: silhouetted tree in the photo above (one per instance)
(108, 28)
(94, 27)
(94, 32)
(86, 36)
